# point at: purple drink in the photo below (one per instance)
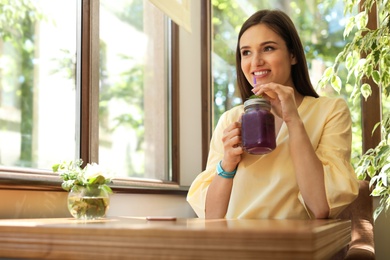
(258, 127)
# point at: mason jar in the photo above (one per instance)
(258, 127)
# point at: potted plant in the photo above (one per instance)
(368, 56)
(88, 188)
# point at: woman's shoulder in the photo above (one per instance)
(326, 103)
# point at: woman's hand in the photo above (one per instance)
(232, 146)
(282, 98)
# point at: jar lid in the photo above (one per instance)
(257, 101)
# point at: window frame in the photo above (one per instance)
(207, 78)
(18, 178)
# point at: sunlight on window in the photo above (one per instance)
(37, 85)
(133, 133)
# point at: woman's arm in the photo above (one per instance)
(308, 168)
(218, 194)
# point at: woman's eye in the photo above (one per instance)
(245, 53)
(268, 48)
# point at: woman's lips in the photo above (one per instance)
(259, 75)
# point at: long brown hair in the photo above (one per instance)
(281, 24)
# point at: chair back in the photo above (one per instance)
(359, 212)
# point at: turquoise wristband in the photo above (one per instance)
(222, 173)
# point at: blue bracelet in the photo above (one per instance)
(222, 173)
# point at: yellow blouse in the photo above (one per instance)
(265, 185)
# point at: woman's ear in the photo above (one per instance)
(293, 59)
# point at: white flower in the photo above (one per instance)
(73, 174)
(93, 170)
(93, 173)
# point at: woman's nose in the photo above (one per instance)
(257, 60)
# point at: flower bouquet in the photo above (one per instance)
(88, 188)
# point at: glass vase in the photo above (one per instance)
(88, 202)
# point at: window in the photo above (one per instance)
(88, 79)
(37, 87)
(134, 101)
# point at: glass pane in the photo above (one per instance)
(37, 83)
(320, 26)
(133, 132)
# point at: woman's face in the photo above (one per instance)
(264, 55)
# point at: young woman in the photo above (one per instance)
(309, 174)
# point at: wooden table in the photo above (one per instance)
(138, 238)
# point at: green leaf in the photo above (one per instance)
(361, 175)
(376, 77)
(328, 72)
(349, 61)
(336, 83)
(383, 174)
(361, 20)
(255, 96)
(366, 91)
(321, 83)
(355, 94)
(349, 26)
(377, 212)
(369, 69)
(341, 56)
(97, 180)
(377, 54)
(378, 191)
(55, 167)
(67, 185)
(360, 64)
(106, 188)
(371, 170)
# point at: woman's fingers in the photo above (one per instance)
(281, 97)
(273, 91)
(232, 142)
